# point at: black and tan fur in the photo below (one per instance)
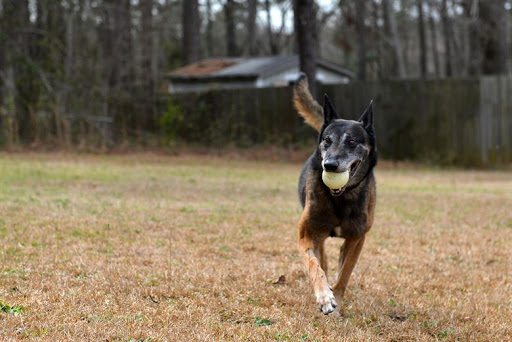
(346, 213)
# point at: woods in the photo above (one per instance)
(89, 73)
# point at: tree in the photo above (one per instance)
(305, 26)
(20, 49)
(209, 29)
(433, 35)
(229, 13)
(423, 41)
(270, 35)
(446, 33)
(3, 46)
(190, 23)
(360, 28)
(251, 27)
(399, 65)
(474, 48)
(147, 83)
(118, 65)
(493, 36)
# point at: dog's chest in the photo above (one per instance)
(349, 220)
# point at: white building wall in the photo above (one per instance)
(284, 78)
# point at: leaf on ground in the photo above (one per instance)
(398, 317)
(280, 281)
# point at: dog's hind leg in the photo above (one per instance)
(340, 263)
(350, 251)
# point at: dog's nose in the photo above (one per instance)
(330, 165)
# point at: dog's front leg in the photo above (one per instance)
(324, 295)
(310, 251)
(349, 254)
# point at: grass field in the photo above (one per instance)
(155, 248)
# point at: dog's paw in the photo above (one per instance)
(326, 301)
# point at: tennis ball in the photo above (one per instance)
(335, 180)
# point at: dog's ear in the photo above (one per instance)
(329, 111)
(367, 118)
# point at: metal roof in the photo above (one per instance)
(250, 67)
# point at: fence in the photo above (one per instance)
(450, 122)
(459, 122)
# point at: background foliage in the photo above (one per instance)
(87, 74)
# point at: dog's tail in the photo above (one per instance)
(306, 105)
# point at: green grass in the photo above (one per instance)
(147, 247)
(13, 310)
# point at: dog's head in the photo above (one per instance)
(347, 145)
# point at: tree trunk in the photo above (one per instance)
(17, 24)
(377, 41)
(446, 33)
(147, 81)
(493, 25)
(209, 29)
(305, 26)
(388, 62)
(474, 49)
(118, 65)
(190, 23)
(3, 47)
(404, 32)
(433, 35)
(251, 27)
(229, 13)
(271, 40)
(360, 15)
(399, 66)
(423, 41)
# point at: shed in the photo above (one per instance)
(249, 72)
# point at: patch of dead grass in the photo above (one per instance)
(186, 248)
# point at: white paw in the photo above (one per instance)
(326, 301)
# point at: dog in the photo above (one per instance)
(345, 213)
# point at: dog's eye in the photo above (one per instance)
(352, 143)
(327, 141)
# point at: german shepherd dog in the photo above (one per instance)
(347, 212)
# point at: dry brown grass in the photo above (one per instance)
(189, 248)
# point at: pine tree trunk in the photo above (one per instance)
(474, 49)
(147, 81)
(190, 22)
(251, 27)
(446, 33)
(209, 29)
(17, 24)
(361, 38)
(399, 65)
(305, 26)
(423, 41)
(270, 36)
(493, 25)
(433, 35)
(229, 13)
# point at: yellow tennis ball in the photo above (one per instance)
(335, 180)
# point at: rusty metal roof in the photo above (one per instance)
(247, 67)
(205, 67)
